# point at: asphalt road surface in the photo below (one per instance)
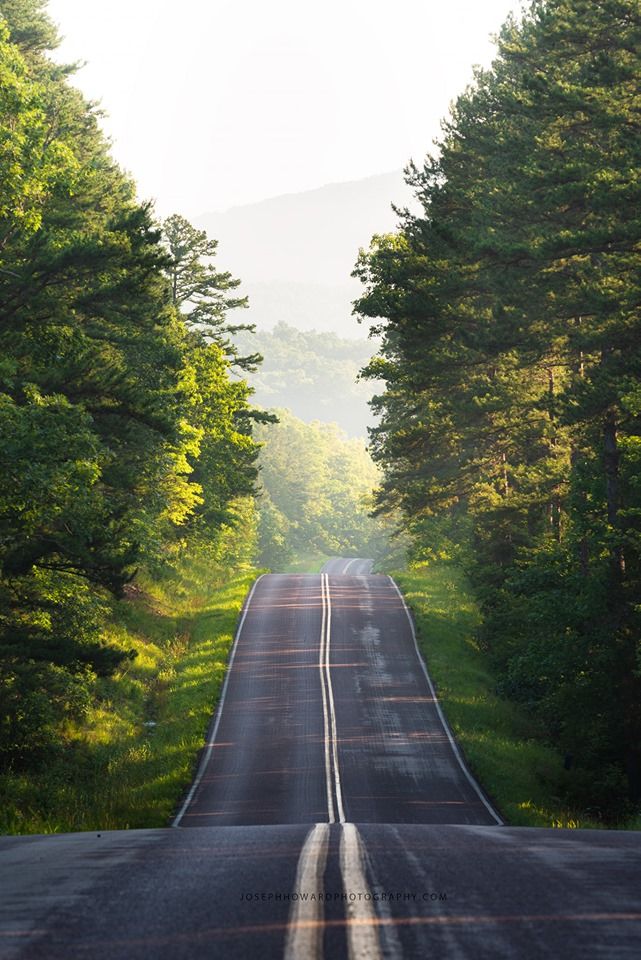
(331, 816)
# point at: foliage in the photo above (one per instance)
(315, 493)
(199, 291)
(123, 436)
(525, 778)
(123, 758)
(509, 310)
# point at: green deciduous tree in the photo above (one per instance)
(122, 433)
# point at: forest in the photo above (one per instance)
(510, 431)
(315, 494)
(125, 440)
(150, 436)
(129, 456)
(314, 374)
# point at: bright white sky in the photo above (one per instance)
(214, 103)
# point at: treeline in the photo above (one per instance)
(315, 493)
(123, 438)
(511, 418)
(315, 375)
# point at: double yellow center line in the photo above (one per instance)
(335, 809)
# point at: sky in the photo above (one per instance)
(216, 103)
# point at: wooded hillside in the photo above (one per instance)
(315, 375)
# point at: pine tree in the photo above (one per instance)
(510, 351)
(200, 292)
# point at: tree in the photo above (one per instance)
(31, 28)
(510, 324)
(200, 292)
(122, 432)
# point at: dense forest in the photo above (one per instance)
(125, 431)
(140, 426)
(510, 437)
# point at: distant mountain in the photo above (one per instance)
(295, 253)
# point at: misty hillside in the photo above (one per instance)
(315, 375)
(295, 253)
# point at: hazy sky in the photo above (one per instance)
(213, 103)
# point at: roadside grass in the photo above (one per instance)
(305, 563)
(522, 776)
(129, 763)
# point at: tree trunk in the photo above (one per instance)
(554, 507)
(611, 459)
(584, 547)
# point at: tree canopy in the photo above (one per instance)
(122, 434)
(509, 311)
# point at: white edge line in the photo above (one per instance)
(211, 737)
(446, 726)
(324, 696)
(355, 560)
(330, 691)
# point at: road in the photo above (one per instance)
(351, 565)
(319, 654)
(331, 815)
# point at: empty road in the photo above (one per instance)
(331, 815)
(329, 715)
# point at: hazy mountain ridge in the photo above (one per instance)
(295, 253)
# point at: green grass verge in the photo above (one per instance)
(129, 764)
(305, 563)
(521, 775)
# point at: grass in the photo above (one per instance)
(305, 563)
(521, 775)
(129, 764)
